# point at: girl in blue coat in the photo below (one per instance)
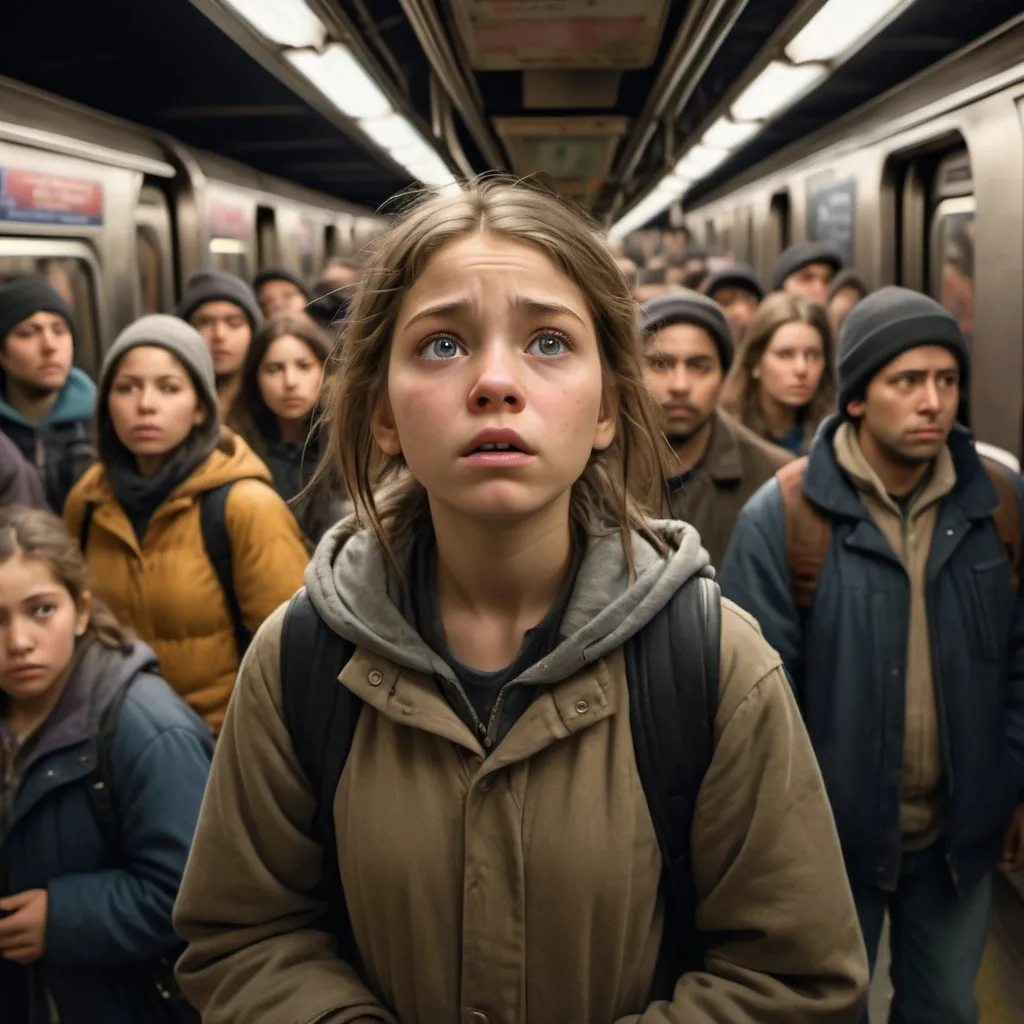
(103, 771)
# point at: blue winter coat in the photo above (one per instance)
(846, 658)
(109, 910)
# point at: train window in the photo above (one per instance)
(266, 237)
(153, 251)
(330, 242)
(781, 225)
(148, 255)
(230, 254)
(72, 270)
(952, 259)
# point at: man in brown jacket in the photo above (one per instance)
(688, 349)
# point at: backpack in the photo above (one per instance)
(809, 531)
(672, 673)
(217, 542)
(161, 987)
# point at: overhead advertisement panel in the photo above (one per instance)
(512, 35)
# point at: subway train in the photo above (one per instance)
(117, 216)
(921, 187)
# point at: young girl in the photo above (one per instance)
(142, 513)
(280, 387)
(782, 383)
(85, 913)
(497, 851)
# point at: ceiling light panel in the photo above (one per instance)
(340, 77)
(777, 87)
(841, 27)
(727, 134)
(285, 22)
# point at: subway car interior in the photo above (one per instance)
(140, 143)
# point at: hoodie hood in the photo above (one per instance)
(358, 596)
(74, 404)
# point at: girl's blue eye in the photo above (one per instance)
(548, 345)
(441, 348)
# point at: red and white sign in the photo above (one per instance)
(49, 199)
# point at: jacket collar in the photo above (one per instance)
(829, 486)
(722, 459)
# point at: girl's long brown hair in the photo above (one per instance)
(619, 485)
(742, 394)
(34, 533)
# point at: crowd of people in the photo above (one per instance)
(498, 750)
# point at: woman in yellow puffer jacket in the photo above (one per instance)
(137, 512)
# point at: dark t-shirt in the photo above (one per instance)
(481, 689)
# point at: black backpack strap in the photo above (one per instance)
(321, 714)
(100, 779)
(86, 525)
(672, 674)
(217, 541)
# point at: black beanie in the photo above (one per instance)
(686, 307)
(801, 255)
(219, 286)
(279, 274)
(886, 324)
(24, 295)
(735, 277)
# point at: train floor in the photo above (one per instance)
(1000, 988)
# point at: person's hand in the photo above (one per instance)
(1013, 843)
(23, 929)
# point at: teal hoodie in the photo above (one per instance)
(75, 402)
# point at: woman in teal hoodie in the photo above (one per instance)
(46, 403)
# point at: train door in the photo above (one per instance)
(951, 239)
(267, 250)
(155, 251)
(780, 230)
(72, 268)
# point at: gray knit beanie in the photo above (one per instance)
(689, 307)
(804, 254)
(182, 340)
(219, 286)
(886, 324)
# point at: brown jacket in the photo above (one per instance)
(167, 590)
(922, 804)
(521, 888)
(737, 462)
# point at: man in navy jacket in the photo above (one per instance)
(908, 657)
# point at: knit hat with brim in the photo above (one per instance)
(687, 307)
(886, 324)
(801, 255)
(735, 277)
(24, 295)
(279, 274)
(219, 286)
(182, 340)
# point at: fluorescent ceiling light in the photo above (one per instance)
(392, 132)
(341, 78)
(727, 134)
(285, 22)
(776, 88)
(699, 161)
(840, 27)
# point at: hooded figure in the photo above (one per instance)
(46, 404)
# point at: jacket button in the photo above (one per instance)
(582, 707)
(476, 1017)
(486, 785)
(949, 533)
(375, 678)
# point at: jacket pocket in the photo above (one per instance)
(992, 605)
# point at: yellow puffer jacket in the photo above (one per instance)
(167, 590)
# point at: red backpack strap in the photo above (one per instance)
(808, 534)
(1007, 514)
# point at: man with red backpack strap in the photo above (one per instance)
(884, 567)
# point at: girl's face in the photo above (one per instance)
(495, 392)
(153, 403)
(792, 365)
(39, 623)
(289, 378)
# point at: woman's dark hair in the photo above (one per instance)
(200, 443)
(37, 534)
(252, 417)
(742, 393)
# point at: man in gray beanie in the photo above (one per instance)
(807, 269)
(885, 569)
(224, 310)
(719, 464)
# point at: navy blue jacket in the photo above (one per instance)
(846, 658)
(109, 910)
